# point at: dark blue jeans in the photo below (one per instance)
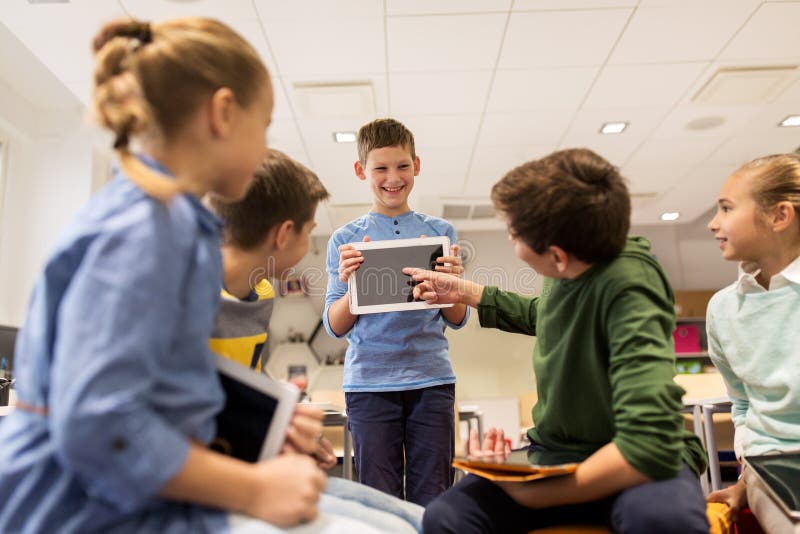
(409, 433)
(477, 505)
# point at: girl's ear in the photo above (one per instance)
(282, 234)
(782, 216)
(221, 109)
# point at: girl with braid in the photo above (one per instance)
(117, 386)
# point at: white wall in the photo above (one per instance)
(689, 254)
(49, 178)
(48, 173)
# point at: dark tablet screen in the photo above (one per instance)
(781, 473)
(380, 279)
(243, 423)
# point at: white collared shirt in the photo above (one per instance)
(748, 271)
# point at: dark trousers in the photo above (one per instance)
(409, 433)
(476, 505)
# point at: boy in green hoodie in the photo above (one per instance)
(603, 360)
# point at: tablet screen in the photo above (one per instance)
(530, 458)
(244, 422)
(781, 473)
(380, 279)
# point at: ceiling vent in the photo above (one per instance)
(456, 211)
(467, 210)
(641, 200)
(342, 214)
(326, 100)
(745, 86)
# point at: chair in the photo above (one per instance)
(707, 395)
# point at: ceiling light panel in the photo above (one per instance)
(323, 100)
(613, 128)
(791, 120)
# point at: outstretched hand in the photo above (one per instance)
(444, 288)
(434, 287)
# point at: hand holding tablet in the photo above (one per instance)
(252, 425)
(494, 460)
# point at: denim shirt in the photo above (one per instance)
(114, 374)
(392, 351)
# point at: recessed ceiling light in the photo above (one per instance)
(613, 127)
(791, 120)
(670, 215)
(344, 137)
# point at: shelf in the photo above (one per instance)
(682, 355)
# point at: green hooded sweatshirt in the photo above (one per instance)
(604, 362)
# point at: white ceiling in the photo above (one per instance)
(488, 84)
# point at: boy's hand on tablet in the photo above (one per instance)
(304, 431)
(435, 288)
(443, 288)
(287, 490)
(495, 446)
(350, 259)
(451, 264)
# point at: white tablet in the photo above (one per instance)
(379, 284)
(252, 425)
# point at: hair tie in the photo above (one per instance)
(121, 141)
(144, 34)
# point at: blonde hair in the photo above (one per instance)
(776, 178)
(150, 78)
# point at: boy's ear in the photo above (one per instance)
(220, 112)
(359, 168)
(416, 166)
(782, 216)
(560, 258)
(282, 234)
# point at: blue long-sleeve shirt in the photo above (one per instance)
(114, 374)
(391, 351)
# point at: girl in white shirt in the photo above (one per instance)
(754, 324)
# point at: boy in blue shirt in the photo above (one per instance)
(398, 382)
(263, 236)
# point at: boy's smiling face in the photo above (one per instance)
(390, 171)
